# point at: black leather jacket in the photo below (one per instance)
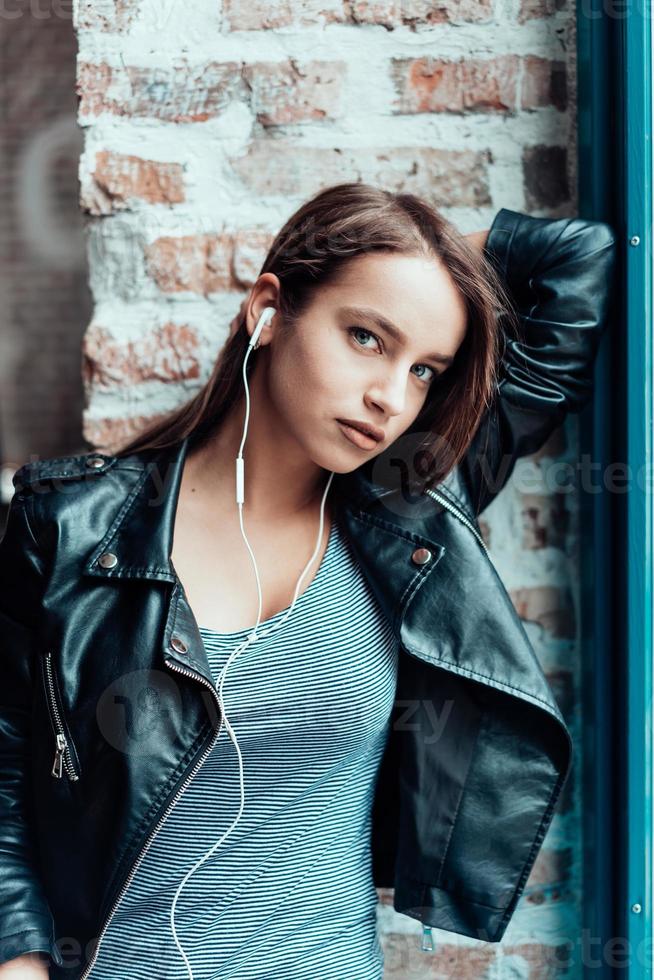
(108, 705)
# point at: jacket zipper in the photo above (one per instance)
(170, 806)
(62, 759)
(457, 513)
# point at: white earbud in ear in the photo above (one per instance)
(266, 316)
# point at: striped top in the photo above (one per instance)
(289, 893)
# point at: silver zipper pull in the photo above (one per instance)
(427, 941)
(58, 764)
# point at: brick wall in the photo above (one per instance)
(205, 127)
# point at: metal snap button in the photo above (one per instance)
(421, 556)
(177, 643)
(108, 560)
(95, 461)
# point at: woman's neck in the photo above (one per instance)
(281, 482)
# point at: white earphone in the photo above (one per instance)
(265, 317)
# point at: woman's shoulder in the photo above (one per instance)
(82, 466)
(61, 487)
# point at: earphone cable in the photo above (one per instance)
(240, 485)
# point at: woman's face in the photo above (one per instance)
(340, 363)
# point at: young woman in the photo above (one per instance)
(239, 697)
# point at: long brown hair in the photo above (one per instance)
(311, 249)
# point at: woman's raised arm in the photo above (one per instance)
(560, 277)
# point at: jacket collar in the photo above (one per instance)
(141, 534)
(138, 543)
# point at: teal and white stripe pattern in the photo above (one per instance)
(289, 894)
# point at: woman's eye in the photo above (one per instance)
(358, 330)
(430, 377)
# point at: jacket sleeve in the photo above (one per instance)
(559, 275)
(26, 923)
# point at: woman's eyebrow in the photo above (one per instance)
(367, 313)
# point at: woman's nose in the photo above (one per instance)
(389, 393)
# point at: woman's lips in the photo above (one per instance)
(358, 438)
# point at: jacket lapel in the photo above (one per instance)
(140, 540)
(141, 534)
(457, 616)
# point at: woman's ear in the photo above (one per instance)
(265, 294)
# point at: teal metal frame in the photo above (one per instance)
(615, 165)
(597, 169)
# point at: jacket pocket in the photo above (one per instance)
(65, 760)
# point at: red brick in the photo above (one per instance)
(169, 353)
(544, 83)
(550, 607)
(264, 15)
(295, 92)
(91, 85)
(452, 178)
(253, 15)
(394, 13)
(94, 16)
(279, 93)
(191, 263)
(118, 177)
(185, 93)
(437, 85)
